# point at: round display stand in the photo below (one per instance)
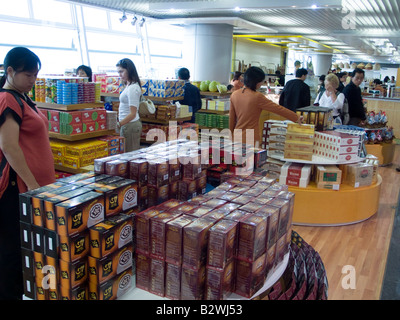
(332, 208)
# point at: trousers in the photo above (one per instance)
(132, 132)
(11, 279)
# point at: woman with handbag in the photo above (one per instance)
(26, 160)
(129, 122)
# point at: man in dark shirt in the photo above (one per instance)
(352, 92)
(296, 93)
(192, 93)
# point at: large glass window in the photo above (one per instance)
(53, 30)
(53, 11)
(15, 8)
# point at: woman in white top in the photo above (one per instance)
(331, 98)
(128, 115)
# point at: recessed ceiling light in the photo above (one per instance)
(314, 6)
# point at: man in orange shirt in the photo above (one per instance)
(247, 104)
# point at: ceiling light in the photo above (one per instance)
(314, 6)
(237, 9)
(134, 19)
(172, 10)
(142, 21)
(123, 18)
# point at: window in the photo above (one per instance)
(95, 18)
(8, 8)
(53, 11)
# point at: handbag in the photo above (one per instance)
(146, 107)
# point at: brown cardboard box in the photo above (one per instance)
(220, 282)
(77, 214)
(195, 241)
(119, 196)
(142, 222)
(112, 289)
(252, 237)
(187, 189)
(79, 293)
(284, 215)
(143, 198)
(73, 274)
(158, 234)
(111, 235)
(174, 238)
(138, 170)
(222, 243)
(157, 195)
(75, 247)
(157, 277)
(117, 167)
(105, 268)
(158, 172)
(250, 276)
(143, 262)
(272, 212)
(173, 281)
(192, 283)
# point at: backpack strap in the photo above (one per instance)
(17, 97)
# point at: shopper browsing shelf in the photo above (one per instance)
(247, 104)
(352, 92)
(26, 159)
(296, 93)
(237, 81)
(84, 71)
(192, 93)
(332, 98)
(129, 122)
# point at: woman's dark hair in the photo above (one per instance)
(130, 67)
(87, 70)
(252, 77)
(237, 75)
(21, 59)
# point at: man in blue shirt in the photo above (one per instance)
(192, 93)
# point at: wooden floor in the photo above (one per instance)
(363, 246)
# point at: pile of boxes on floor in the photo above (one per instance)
(78, 154)
(285, 140)
(226, 241)
(167, 130)
(77, 238)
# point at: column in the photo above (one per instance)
(207, 51)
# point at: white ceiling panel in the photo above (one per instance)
(347, 22)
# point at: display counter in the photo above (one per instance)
(332, 208)
(392, 109)
(383, 151)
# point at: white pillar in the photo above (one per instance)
(207, 51)
(322, 63)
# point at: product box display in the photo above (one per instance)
(111, 234)
(107, 267)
